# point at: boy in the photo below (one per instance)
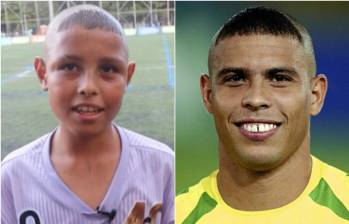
(88, 170)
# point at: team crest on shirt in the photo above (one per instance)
(29, 216)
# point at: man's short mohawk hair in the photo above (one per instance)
(264, 21)
(259, 20)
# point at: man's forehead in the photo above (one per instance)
(250, 42)
(252, 50)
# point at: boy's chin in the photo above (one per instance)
(88, 129)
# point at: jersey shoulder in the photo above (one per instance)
(29, 151)
(141, 142)
(156, 156)
(332, 190)
(195, 201)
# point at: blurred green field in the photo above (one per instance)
(148, 106)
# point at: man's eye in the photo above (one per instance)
(235, 79)
(108, 69)
(280, 78)
(69, 67)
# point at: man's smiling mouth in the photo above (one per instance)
(257, 130)
(258, 127)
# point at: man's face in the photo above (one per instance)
(261, 97)
(86, 74)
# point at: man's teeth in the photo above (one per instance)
(259, 127)
(88, 109)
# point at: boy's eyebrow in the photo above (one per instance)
(103, 59)
(72, 57)
(111, 59)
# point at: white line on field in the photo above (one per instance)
(147, 68)
(24, 74)
(18, 76)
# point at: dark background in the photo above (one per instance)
(196, 23)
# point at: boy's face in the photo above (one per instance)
(86, 73)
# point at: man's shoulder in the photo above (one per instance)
(203, 186)
(196, 197)
(332, 188)
(146, 144)
(191, 193)
(332, 175)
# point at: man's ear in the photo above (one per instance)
(318, 93)
(131, 67)
(206, 91)
(40, 68)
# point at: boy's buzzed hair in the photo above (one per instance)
(263, 21)
(88, 17)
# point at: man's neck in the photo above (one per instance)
(248, 190)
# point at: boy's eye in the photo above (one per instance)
(108, 69)
(69, 67)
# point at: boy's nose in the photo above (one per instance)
(87, 86)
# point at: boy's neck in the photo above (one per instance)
(86, 164)
(66, 143)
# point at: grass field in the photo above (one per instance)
(148, 105)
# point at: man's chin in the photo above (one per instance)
(260, 163)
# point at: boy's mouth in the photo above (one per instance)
(87, 109)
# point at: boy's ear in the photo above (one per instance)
(318, 93)
(206, 91)
(130, 71)
(40, 68)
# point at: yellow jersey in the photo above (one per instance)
(325, 200)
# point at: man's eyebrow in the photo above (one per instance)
(236, 70)
(289, 70)
(244, 71)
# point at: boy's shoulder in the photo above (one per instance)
(31, 150)
(143, 143)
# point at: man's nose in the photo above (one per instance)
(256, 97)
(87, 84)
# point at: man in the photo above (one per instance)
(262, 90)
